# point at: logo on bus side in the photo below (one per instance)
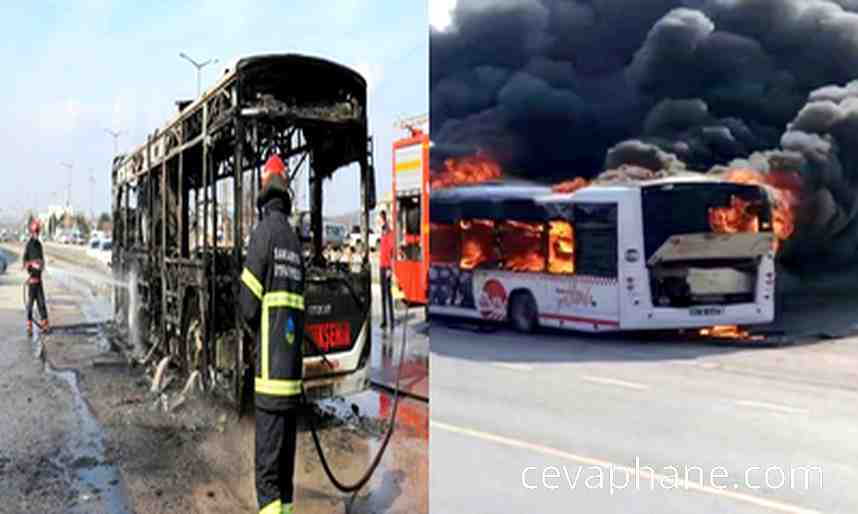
(579, 295)
(492, 303)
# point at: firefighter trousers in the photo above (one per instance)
(36, 294)
(276, 438)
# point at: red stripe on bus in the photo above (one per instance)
(580, 319)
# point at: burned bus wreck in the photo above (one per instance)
(184, 205)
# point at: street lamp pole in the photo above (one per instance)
(115, 134)
(199, 66)
(69, 166)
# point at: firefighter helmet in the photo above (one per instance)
(274, 166)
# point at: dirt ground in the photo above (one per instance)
(137, 455)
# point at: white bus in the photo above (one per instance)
(662, 254)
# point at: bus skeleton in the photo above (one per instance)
(184, 204)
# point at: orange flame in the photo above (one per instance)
(477, 243)
(522, 246)
(728, 332)
(786, 188)
(570, 186)
(561, 247)
(472, 169)
(738, 217)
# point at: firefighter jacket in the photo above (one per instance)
(272, 299)
(34, 260)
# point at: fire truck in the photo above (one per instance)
(410, 209)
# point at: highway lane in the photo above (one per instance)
(503, 404)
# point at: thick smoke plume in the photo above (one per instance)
(555, 89)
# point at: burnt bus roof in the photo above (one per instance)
(497, 201)
(328, 77)
(487, 201)
(314, 84)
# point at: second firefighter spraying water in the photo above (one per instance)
(272, 298)
(34, 264)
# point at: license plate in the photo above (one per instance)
(706, 311)
(331, 336)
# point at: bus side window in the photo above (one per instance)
(561, 247)
(522, 246)
(445, 242)
(478, 244)
(596, 239)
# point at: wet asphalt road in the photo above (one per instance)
(398, 486)
(540, 423)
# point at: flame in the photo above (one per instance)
(786, 189)
(477, 243)
(738, 217)
(570, 186)
(561, 247)
(522, 246)
(471, 169)
(728, 332)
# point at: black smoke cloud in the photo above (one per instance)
(561, 88)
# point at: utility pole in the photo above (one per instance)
(199, 66)
(91, 194)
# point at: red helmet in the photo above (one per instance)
(274, 166)
(35, 226)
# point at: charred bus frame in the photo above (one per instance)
(172, 193)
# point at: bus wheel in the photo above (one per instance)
(523, 313)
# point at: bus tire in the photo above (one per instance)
(523, 313)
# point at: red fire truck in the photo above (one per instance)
(410, 207)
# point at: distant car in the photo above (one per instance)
(334, 235)
(105, 252)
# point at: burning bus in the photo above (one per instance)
(183, 204)
(671, 253)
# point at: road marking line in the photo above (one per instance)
(771, 406)
(641, 472)
(615, 382)
(509, 365)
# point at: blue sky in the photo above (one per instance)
(73, 69)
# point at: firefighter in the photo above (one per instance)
(34, 263)
(385, 256)
(272, 300)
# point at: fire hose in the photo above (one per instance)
(353, 488)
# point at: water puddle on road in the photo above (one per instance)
(95, 482)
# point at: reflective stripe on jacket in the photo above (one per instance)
(272, 299)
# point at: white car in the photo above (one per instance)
(356, 239)
(104, 254)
